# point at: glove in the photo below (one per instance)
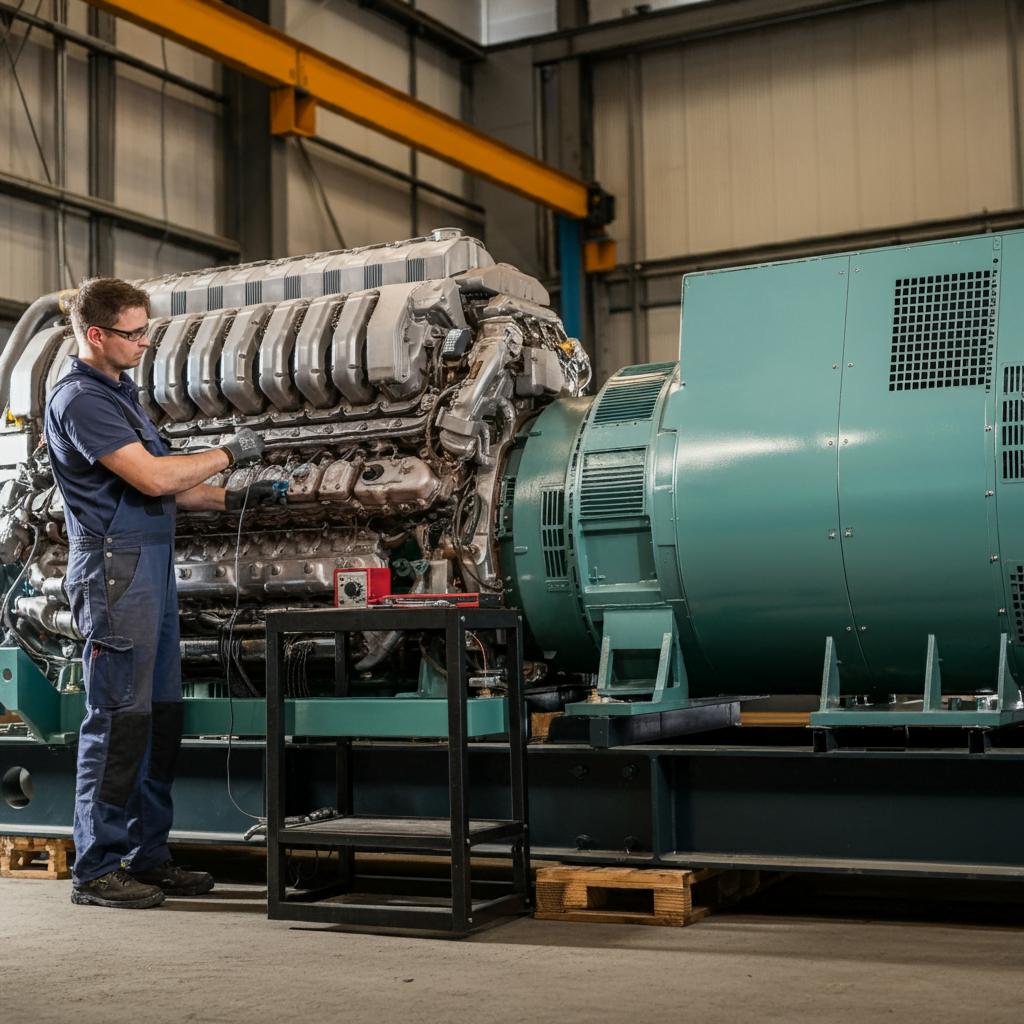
(262, 492)
(244, 447)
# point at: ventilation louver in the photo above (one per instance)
(1011, 426)
(943, 332)
(373, 275)
(292, 287)
(1016, 575)
(632, 394)
(215, 297)
(552, 532)
(415, 269)
(332, 282)
(253, 292)
(613, 484)
(178, 303)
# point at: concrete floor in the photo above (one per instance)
(810, 949)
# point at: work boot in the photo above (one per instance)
(175, 881)
(117, 889)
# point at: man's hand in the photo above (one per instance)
(246, 446)
(262, 492)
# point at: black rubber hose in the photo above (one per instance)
(44, 312)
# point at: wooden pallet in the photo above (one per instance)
(22, 857)
(602, 895)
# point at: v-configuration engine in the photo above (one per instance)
(821, 503)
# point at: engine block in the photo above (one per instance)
(387, 383)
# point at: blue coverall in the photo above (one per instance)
(121, 586)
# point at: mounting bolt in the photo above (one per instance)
(863, 629)
(993, 558)
(831, 443)
(1002, 611)
(988, 494)
(849, 364)
(835, 366)
(849, 629)
(580, 771)
(988, 430)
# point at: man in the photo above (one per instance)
(120, 486)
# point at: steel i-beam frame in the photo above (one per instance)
(245, 44)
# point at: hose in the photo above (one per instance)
(40, 314)
(390, 641)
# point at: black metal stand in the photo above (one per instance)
(456, 834)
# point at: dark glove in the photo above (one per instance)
(245, 446)
(262, 492)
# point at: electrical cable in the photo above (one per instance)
(163, 154)
(28, 113)
(231, 630)
(318, 185)
(10, 593)
(14, 16)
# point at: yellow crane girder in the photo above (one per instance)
(308, 76)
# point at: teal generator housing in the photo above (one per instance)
(839, 453)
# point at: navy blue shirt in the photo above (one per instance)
(89, 415)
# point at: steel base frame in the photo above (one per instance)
(942, 802)
(451, 831)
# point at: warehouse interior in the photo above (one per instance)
(854, 845)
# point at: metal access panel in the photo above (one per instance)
(916, 459)
(756, 415)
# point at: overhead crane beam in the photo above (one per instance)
(247, 45)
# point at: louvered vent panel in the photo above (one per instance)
(552, 532)
(944, 331)
(415, 269)
(332, 282)
(215, 297)
(178, 302)
(292, 287)
(253, 292)
(1016, 575)
(613, 484)
(373, 275)
(631, 396)
(1011, 425)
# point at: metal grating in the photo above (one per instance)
(1011, 437)
(178, 303)
(253, 292)
(415, 269)
(632, 396)
(943, 331)
(1017, 599)
(552, 532)
(292, 287)
(215, 297)
(373, 275)
(613, 484)
(332, 282)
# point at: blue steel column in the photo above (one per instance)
(571, 270)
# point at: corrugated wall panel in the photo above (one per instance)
(879, 116)
(611, 148)
(192, 152)
(614, 346)
(663, 334)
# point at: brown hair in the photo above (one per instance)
(101, 301)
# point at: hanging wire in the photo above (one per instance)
(318, 185)
(163, 154)
(13, 59)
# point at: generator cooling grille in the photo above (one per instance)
(943, 331)
(1016, 575)
(552, 532)
(613, 484)
(632, 395)
(1011, 423)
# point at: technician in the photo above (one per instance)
(120, 486)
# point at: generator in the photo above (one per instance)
(771, 593)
